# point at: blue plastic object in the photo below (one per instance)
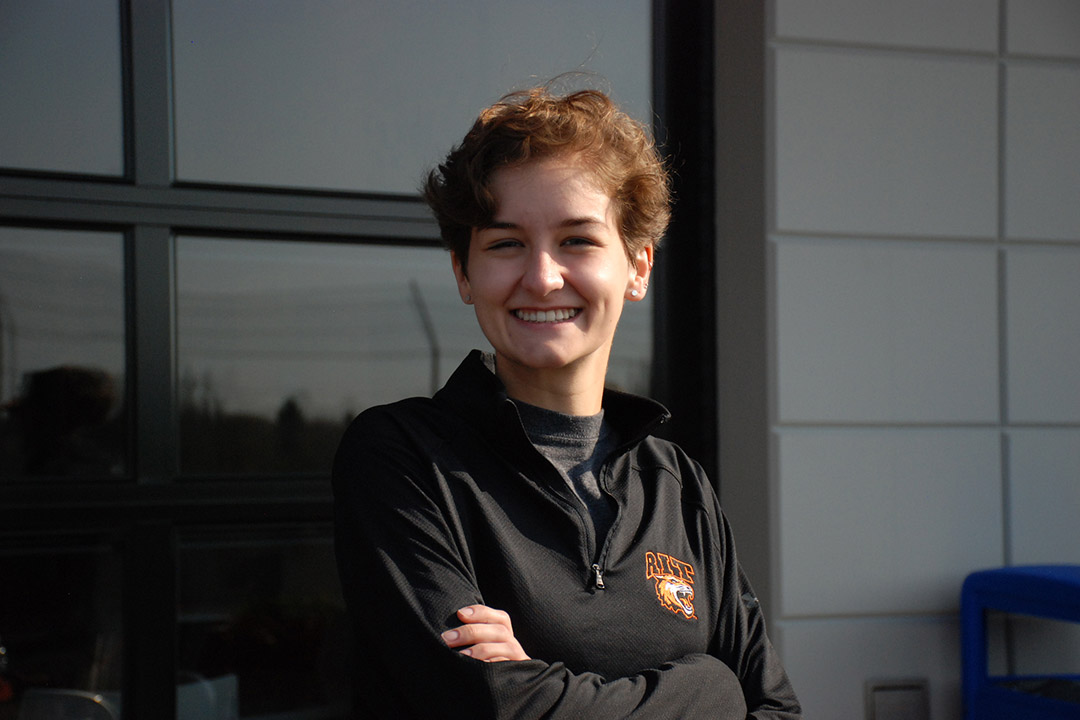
(1047, 591)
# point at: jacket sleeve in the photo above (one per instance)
(405, 573)
(741, 641)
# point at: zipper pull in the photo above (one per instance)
(599, 576)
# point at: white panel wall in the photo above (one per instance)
(957, 24)
(1044, 474)
(1044, 27)
(885, 143)
(819, 651)
(886, 331)
(924, 195)
(1045, 647)
(1042, 150)
(878, 522)
(1043, 333)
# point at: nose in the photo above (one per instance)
(543, 274)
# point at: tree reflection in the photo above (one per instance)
(214, 441)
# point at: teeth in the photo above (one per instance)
(545, 316)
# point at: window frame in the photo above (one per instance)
(151, 506)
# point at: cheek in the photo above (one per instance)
(613, 281)
(491, 291)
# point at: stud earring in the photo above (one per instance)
(468, 298)
(633, 293)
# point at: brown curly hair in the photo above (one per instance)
(535, 124)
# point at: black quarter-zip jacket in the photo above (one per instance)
(444, 502)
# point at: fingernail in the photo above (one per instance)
(467, 611)
(450, 635)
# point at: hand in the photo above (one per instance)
(486, 635)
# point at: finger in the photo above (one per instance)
(484, 614)
(477, 633)
(495, 652)
(453, 638)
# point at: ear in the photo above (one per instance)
(464, 288)
(640, 270)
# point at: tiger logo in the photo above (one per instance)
(675, 595)
(674, 583)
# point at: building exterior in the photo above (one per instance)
(212, 254)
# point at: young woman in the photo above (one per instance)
(520, 545)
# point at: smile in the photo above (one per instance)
(546, 316)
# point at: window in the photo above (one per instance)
(71, 640)
(365, 96)
(262, 628)
(62, 348)
(210, 230)
(60, 67)
(280, 344)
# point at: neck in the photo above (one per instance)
(568, 390)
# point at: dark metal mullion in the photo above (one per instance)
(684, 373)
(150, 604)
(154, 361)
(123, 198)
(150, 612)
(256, 223)
(742, 287)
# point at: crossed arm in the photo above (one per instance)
(407, 584)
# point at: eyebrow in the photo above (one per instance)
(569, 222)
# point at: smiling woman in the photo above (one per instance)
(483, 533)
(548, 278)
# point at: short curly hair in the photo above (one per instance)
(535, 124)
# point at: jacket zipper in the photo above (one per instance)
(598, 576)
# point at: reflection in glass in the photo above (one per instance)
(61, 353)
(262, 624)
(367, 95)
(281, 344)
(60, 70)
(60, 626)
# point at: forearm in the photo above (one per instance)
(407, 667)
(696, 686)
(450, 685)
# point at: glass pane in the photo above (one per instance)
(60, 70)
(282, 343)
(262, 627)
(61, 353)
(60, 629)
(367, 95)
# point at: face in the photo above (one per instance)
(549, 276)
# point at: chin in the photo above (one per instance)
(538, 361)
(548, 358)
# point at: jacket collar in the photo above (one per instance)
(478, 395)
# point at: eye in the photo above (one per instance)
(579, 241)
(504, 243)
